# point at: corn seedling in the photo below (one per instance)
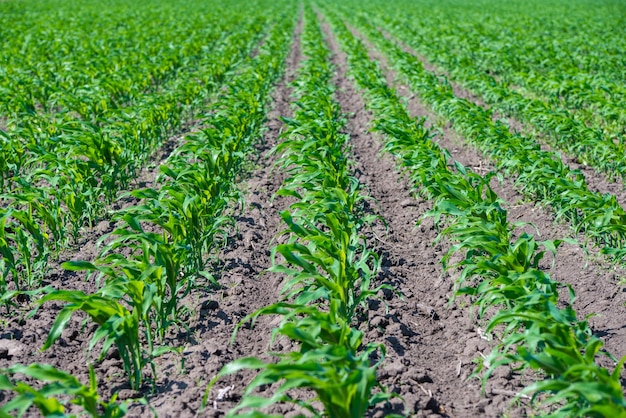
(495, 271)
(52, 398)
(326, 260)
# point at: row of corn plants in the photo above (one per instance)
(580, 71)
(326, 260)
(164, 243)
(559, 55)
(45, 212)
(566, 131)
(67, 58)
(535, 329)
(105, 151)
(542, 175)
(92, 122)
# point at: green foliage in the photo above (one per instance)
(116, 324)
(166, 241)
(538, 68)
(84, 133)
(497, 271)
(540, 174)
(330, 362)
(326, 260)
(51, 398)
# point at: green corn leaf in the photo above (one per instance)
(78, 266)
(59, 325)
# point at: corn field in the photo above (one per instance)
(307, 208)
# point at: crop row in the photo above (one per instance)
(45, 210)
(60, 60)
(326, 259)
(115, 139)
(567, 131)
(573, 63)
(163, 244)
(535, 329)
(540, 174)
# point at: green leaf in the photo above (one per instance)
(58, 326)
(241, 364)
(78, 266)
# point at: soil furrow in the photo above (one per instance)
(204, 343)
(599, 285)
(245, 285)
(430, 346)
(596, 180)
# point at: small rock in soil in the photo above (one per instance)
(503, 372)
(420, 377)
(393, 329)
(210, 305)
(214, 350)
(378, 321)
(125, 394)
(393, 369)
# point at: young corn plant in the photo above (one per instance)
(24, 249)
(116, 324)
(496, 271)
(149, 262)
(59, 388)
(327, 262)
(332, 362)
(131, 330)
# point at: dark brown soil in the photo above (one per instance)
(596, 180)
(431, 344)
(598, 284)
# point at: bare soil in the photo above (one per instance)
(596, 180)
(431, 345)
(600, 286)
